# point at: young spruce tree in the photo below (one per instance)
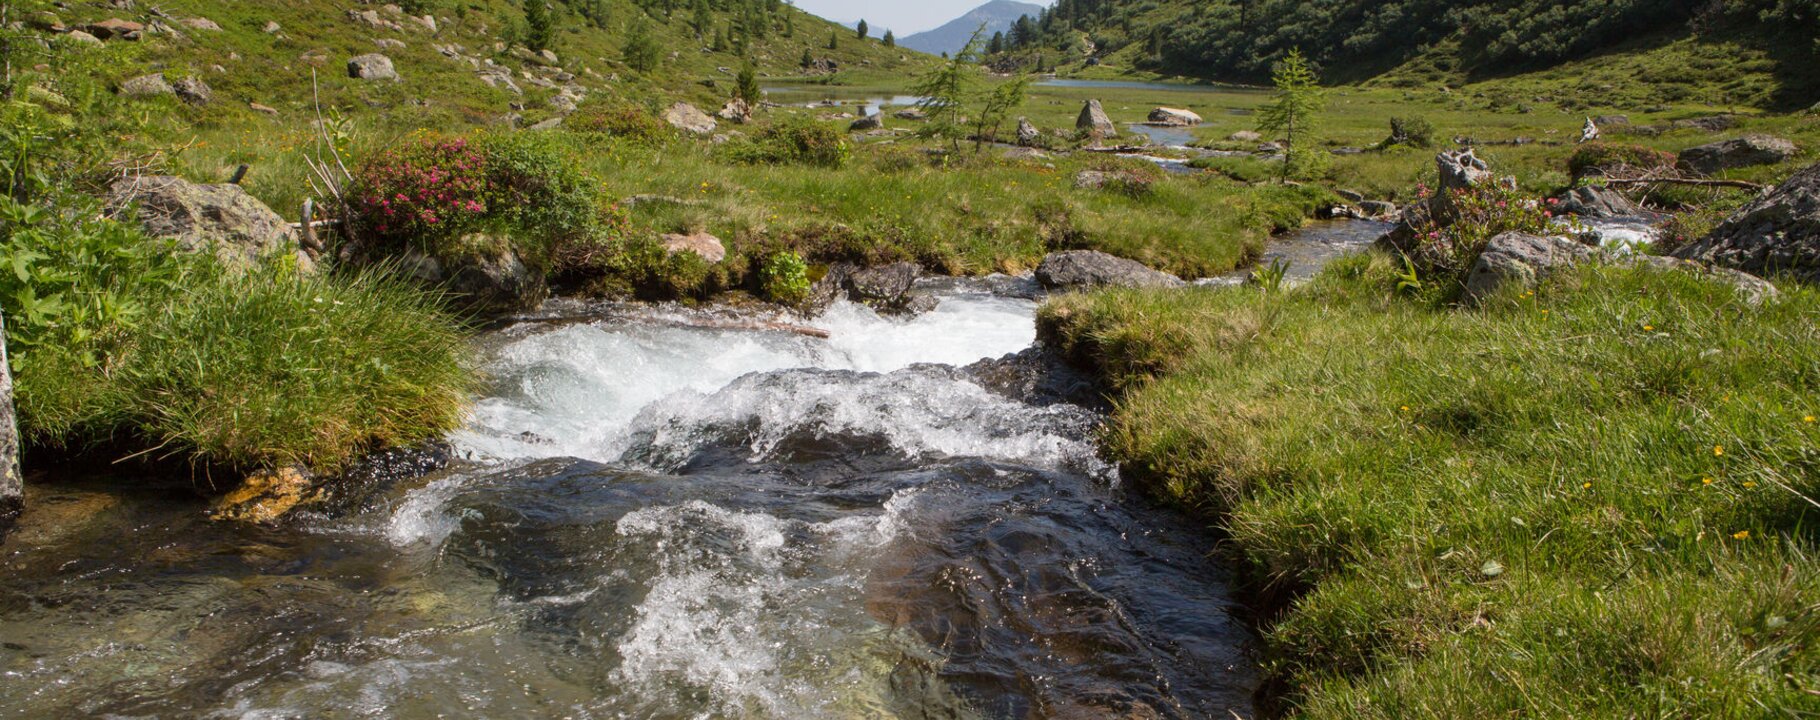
(1290, 115)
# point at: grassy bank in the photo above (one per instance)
(1589, 501)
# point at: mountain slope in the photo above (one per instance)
(1447, 42)
(998, 16)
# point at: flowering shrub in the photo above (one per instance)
(1451, 241)
(423, 188)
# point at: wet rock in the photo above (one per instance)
(1094, 121)
(146, 86)
(1596, 202)
(1039, 376)
(372, 66)
(1740, 152)
(1078, 269)
(1778, 233)
(886, 287)
(689, 119)
(874, 121)
(911, 114)
(701, 244)
(219, 219)
(1174, 117)
(491, 280)
(1515, 257)
(1027, 134)
(1377, 209)
(194, 91)
(1244, 136)
(265, 496)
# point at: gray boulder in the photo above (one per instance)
(889, 288)
(736, 111)
(1515, 257)
(146, 86)
(1244, 136)
(689, 119)
(1778, 233)
(194, 91)
(1174, 117)
(875, 121)
(911, 114)
(372, 66)
(82, 38)
(1596, 202)
(1736, 153)
(1077, 269)
(491, 281)
(1027, 134)
(1094, 121)
(222, 220)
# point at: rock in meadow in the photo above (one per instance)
(222, 220)
(1526, 260)
(194, 91)
(115, 29)
(1078, 269)
(689, 119)
(1094, 120)
(736, 111)
(1594, 201)
(1736, 153)
(372, 66)
(82, 38)
(1244, 136)
(146, 86)
(875, 121)
(1776, 234)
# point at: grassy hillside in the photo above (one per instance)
(1757, 53)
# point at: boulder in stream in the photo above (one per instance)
(1174, 117)
(1079, 269)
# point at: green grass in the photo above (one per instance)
(1498, 512)
(258, 370)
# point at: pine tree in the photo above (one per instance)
(863, 30)
(746, 87)
(1290, 113)
(704, 19)
(808, 58)
(540, 25)
(890, 39)
(996, 45)
(834, 41)
(642, 51)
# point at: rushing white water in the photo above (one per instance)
(575, 391)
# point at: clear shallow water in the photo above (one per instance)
(663, 521)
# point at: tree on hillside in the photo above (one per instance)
(642, 51)
(834, 41)
(996, 45)
(890, 39)
(947, 87)
(540, 25)
(808, 58)
(1290, 113)
(863, 30)
(704, 19)
(746, 86)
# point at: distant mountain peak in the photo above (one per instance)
(997, 16)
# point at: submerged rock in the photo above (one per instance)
(1778, 233)
(1740, 152)
(266, 496)
(1077, 269)
(219, 219)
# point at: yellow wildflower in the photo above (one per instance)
(1586, 486)
(1741, 535)
(1807, 419)
(1649, 328)
(1749, 484)
(1706, 481)
(1718, 451)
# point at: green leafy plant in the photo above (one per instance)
(784, 278)
(1270, 278)
(793, 141)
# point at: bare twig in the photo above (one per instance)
(1740, 184)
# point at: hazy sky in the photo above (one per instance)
(903, 18)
